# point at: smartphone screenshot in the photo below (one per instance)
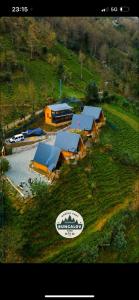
(69, 150)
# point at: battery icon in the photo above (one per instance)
(124, 8)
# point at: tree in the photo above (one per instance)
(67, 75)
(119, 241)
(92, 95)
(43, 94)
(32, 39)
(81, 60)
(47, 36)
(106, 98)
(4, 165)
(40, 192)
(51, 38)
(60, 70)
(32, 94)
(2, 136)
(88, 253)
(21, 95)
(103, 52)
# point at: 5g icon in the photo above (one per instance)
(114, 9)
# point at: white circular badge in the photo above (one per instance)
(69, 224)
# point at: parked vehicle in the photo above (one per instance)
(33, 132)
(16, 138)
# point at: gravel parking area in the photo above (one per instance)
(19, 170)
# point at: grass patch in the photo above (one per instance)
(132, 121)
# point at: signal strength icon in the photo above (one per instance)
(105, 9)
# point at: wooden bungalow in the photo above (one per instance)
(47, 159)
(97, 113)
(71, 145)
(84, 123)
(58, 114)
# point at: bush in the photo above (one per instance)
(92, 95)
(4, 165)
(39, 191)
(5, 77)
(128, 160)
(8, 150)
(105, 97)
(125, 103)
(119, 241)
(88, 253)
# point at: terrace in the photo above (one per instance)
(61, 116)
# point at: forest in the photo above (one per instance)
(36, 52)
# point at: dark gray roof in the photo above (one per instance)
(67, 141)
(47, 155)
(82, 122)
(57, 107)
(92, 111)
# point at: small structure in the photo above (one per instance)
(47, 158)
(71, 145)
(58, 114)
(84, 123)
(97, 113)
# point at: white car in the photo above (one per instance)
(17, 138)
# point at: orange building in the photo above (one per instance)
(96, 113)
(71, 144)
(47, 158)
(84, 123)
(58, 114)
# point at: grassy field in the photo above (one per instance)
(45, 79)
(131, 254)
(98, 187)
(15, 93)
(114, 182)
(128, 118)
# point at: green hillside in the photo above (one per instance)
(30, 61)
(40, 81)
(35, 54)
(101, 187)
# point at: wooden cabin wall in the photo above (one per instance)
(81, 146)
(94, 130)
(48, 115)
(101, 118)
(41, 167)
(67, 154)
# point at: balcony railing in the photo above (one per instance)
(62, 119)
(62, 114)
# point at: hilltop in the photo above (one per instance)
(35, 53)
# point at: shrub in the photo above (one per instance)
(8, 150)
(128, 160)
(105, 97)
(93, 186)
(119, 241)
(88, 253)
(125, 103)
(92, 95)
(5, 77)
(4, 165)
(39, 191)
